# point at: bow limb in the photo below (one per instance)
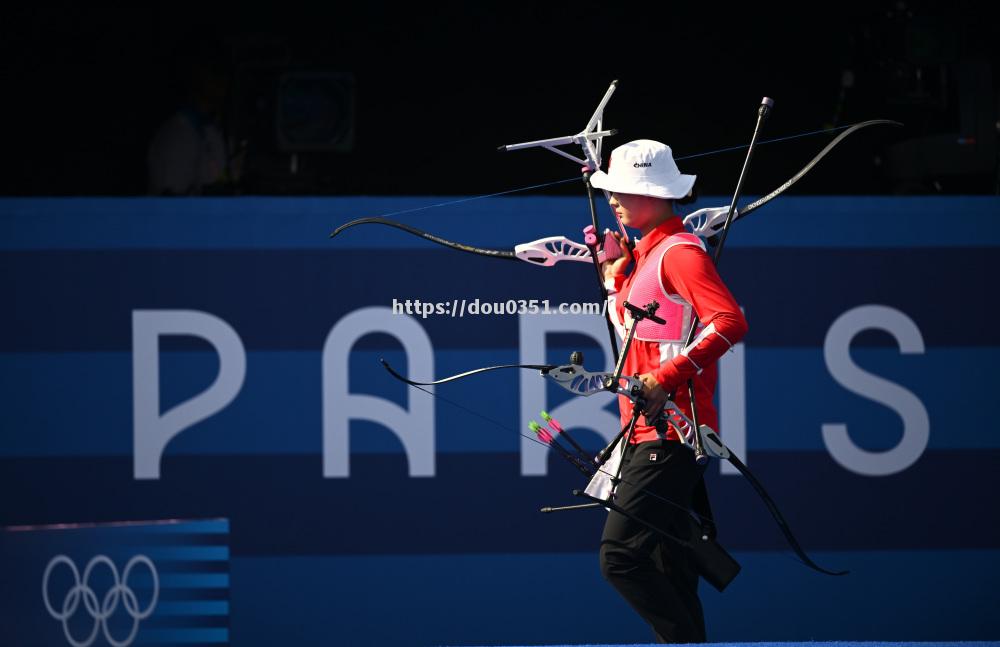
(492, 253)
(778, 517)
(545, 252)
(707, 222)
(716, 448)
(572, 377)
(813, 162)
(538, 367)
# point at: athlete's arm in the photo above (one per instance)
(688, 271)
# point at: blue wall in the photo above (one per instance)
(463, 556)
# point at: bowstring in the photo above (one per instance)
(543, 185)
(766, 141)
(478, 197)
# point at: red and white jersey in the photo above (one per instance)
(673, 267)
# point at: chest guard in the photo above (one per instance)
(648, 286)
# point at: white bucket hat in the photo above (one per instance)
(644, 167)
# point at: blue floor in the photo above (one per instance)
(809, 644)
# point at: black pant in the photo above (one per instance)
(655, 575)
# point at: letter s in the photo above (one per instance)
(916, 424)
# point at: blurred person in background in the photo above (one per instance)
(188, 154)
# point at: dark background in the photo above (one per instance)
(428, 92)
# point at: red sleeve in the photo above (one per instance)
(688, 271)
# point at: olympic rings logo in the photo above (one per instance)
(101, 610)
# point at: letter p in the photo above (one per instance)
(153, 430)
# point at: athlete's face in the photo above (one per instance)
(636, 211)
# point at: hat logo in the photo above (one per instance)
(642, 164)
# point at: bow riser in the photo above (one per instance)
(546, 252)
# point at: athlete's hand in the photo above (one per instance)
(617, 266)
(655, 396)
